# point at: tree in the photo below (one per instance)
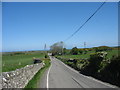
(74, 51)
(57, 48)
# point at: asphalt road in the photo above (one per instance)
(60, 75)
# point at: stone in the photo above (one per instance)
(20, 77)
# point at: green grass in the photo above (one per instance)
(78, 56)
(35, 80)
(113, 52)
(109, 55)
(14, 62)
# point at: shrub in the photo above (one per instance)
(94, 63)
(111, 73)
(46, 56)
(74, 51)
(80, 51)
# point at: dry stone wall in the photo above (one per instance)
(20, 77)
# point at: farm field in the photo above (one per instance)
(15, 61)
(109, 55)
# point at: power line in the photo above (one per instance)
(86, 21)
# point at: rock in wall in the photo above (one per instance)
(20, 77)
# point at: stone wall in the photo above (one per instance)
(20, 77)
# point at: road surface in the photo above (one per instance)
(60, 75)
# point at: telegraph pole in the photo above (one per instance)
(45, 47)
(84, 45)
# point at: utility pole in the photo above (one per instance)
(84, 44)
(45, 47)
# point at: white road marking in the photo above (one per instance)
(47, 85)
(104, 83)
(81, 84)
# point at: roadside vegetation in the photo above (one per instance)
(15, 60)
(100, 62)
(34, 82)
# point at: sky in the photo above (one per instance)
(31, 25)
(0, 27)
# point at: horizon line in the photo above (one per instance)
(49, 49)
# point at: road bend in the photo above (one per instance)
(60, 75)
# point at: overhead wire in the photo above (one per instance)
(86, 21)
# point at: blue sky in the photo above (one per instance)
(31, 25)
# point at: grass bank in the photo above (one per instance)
(35, 80)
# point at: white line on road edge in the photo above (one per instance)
(104, 83)
(47, 85)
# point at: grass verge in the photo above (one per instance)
(33, 82)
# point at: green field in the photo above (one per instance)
(113, 52)
(109, 55)
(12, 62)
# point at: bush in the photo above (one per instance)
(46, 56)
(72, 63)
(94, 63)
(111, 72)
(74, 51)
(80, 51)
(81, 64)
(85, 52)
